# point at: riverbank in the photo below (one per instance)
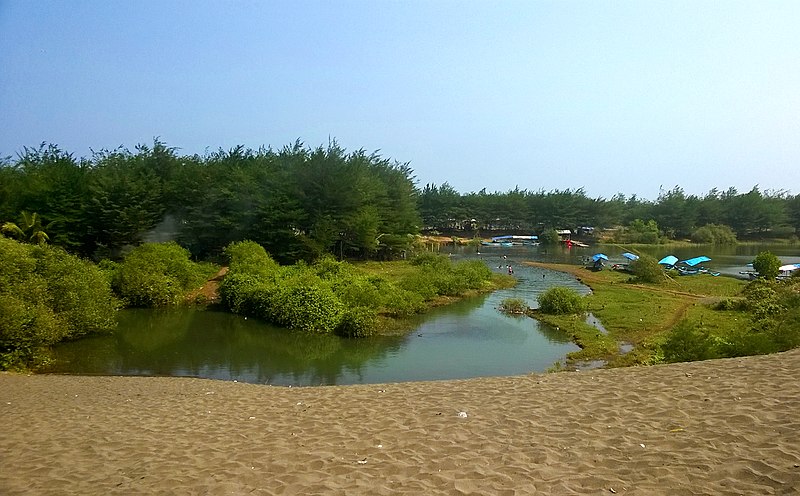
(716, 427)
(635, 318)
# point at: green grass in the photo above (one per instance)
(397, 270)
(642, 314)
(394, 271)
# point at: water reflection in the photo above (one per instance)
(469, 338)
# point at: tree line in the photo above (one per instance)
(677, 215)
(300, 203)
(297, 202)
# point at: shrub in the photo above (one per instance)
(767, 265)
(402, 303)
(357, 322)
(561, 300)
(250, 257)
(714, 234)
(447, 283)
(474, 273)
(358, 291)
(46, 296)
(79, 292)
(647, 269)
(155, 275)
(302, 304)
(687, 343)
(549, 237)
(422, 283)
(731, 304)
(246, 294)
(639, 231)
(431, 260)
(513, 305)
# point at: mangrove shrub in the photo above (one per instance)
(156, 275)
(561, 300)
(46, 296)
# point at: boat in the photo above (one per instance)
(512, 240)
(692, 267)
(787, 271)
(625, 267)
(669, 261)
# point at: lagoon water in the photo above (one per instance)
(470, 338)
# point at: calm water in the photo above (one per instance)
(468, 339)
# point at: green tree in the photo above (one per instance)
(549, 237)
(126, 200)
(767, 265)
(29, 229)
(53, 184)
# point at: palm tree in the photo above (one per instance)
(30, 231)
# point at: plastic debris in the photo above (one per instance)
(462, 414)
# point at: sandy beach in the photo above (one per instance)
(717, 427)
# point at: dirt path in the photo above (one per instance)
(209, 292)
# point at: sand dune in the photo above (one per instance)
(717, 427)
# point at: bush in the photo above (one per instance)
(302, 304)
(357, 322)
(251, 258)
(402, 303)
(561, 300)
(513, 305)
(156, 275)
(431, 260)
(639, 231)
(714, 234)
(473, 273)
(421, 283)
(46, 296)
(647, 269)
(549, 237)
(767, 265)
(687, 343)
(358, 291)
(246, 294)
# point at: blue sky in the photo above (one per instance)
(612, 96)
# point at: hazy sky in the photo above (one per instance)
(613, 96)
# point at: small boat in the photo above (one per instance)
(669, 261)
(787, 271)
(692, 267)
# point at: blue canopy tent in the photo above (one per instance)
(630, 256)
(598, 259)
(696, 260)
(692, 266)
(669, 260)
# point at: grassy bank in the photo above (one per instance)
(398, 270)
(641, 315)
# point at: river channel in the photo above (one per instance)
(470, 338)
